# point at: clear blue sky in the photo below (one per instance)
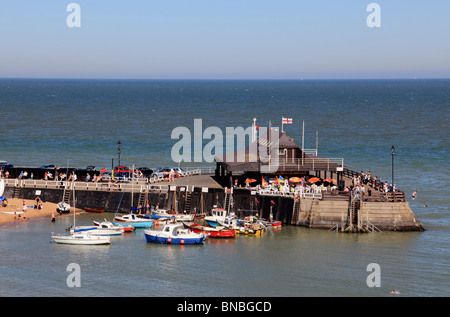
(243, 39)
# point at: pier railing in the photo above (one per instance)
(307, 163)
(136, 186)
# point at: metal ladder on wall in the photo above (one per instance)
(187, 203)
(228, 201)
(295, 210)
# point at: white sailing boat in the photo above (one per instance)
(80, 238)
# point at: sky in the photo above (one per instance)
(225, 39)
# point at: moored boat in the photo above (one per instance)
(133, 220)
(63, 207)
(174, 233)
(212, 232)
(217, 215)
(95, 210)
(101, 230)
(80, 238)
(108, 224)
(247, 226)
(270, 223)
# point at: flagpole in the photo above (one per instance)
(303, 136)
(282, 124)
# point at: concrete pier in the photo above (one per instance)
(203, 192)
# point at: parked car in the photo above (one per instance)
(161, 171)
(145, 171)
(123, 168)
(4, 165)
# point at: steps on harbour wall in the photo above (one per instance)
(386, 216)
(389, 216)
(322, 214)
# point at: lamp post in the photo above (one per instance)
(118, 150)
(393, 153)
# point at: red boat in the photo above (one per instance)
(272, 223)
(212, 232)
(94, 210)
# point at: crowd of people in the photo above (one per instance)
(365, 178)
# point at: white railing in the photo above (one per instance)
(82, 185)
(311, 195)
(330, 164)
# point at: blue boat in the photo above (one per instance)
(174, 233)
(217, 215)
(134, 220)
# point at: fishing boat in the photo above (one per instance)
(242, 226)
(79, 238)
(217, 215)
(134, 220)
(174, 233)
(212, 232)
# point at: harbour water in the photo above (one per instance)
(80, 121)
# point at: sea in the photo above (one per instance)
(77, 123)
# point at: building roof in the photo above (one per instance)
(263, 156)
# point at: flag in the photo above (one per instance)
(103, 170)
(287, 120)
(263, 181)
(272, 202)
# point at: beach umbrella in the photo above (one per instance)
(250, 180)
(314, 180)
(296, 179)
(329, 180)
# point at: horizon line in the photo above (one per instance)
(230, 79)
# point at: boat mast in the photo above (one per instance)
(132, 187)
(73, 187)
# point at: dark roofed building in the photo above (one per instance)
(280, 152)
(274, 154)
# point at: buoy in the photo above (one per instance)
(182, 241)
(169, 240)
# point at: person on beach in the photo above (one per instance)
(24, 208)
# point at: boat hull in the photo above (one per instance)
(97, 231)
(146, 224)
(168, 240)
(94, 210)
(213, 232)
(133, 220)
(81, 240)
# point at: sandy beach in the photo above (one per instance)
(16, 205)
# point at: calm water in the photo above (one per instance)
(80, 121)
